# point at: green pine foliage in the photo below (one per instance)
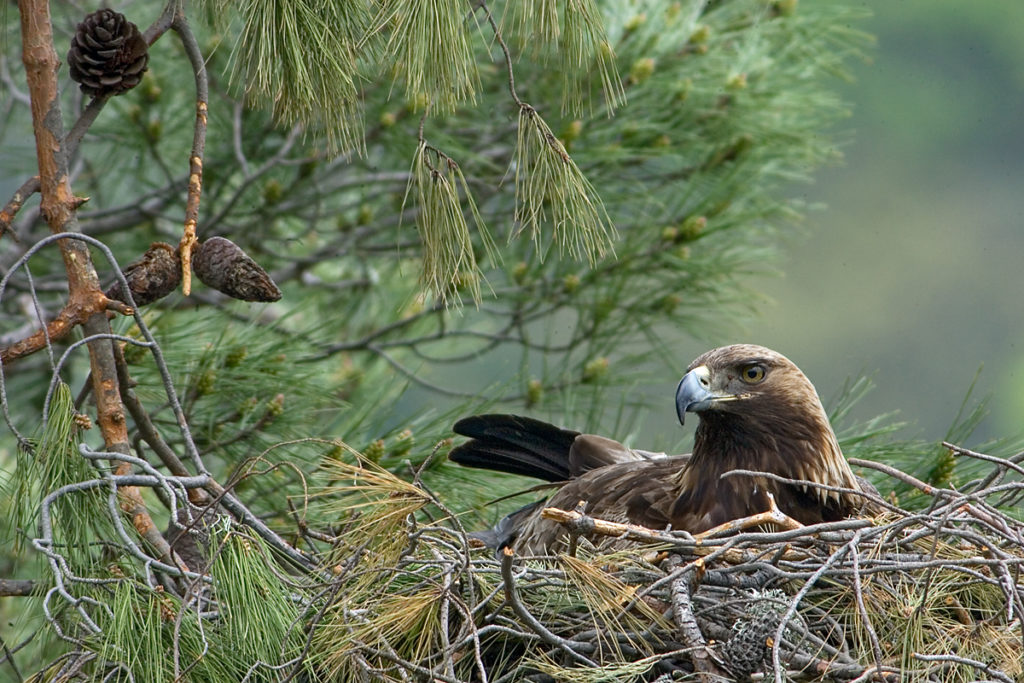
(260, 620)
(429, 46)
(548, 181)
(449, 263)
(47, 464)
(271, 59)
(570, 38)
(149, 634)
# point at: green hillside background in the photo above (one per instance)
(913, 272)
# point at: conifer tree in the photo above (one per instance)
(441, 205)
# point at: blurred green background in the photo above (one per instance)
(913, 272)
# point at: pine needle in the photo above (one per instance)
(78, 518)
(449, 262)
(584, 43)
(606, 596)
(571, 34)
(925, 611)
(549, 186)
(133, 636)
(258, 613)
(536, 22)
(429, 46)
(300, 58)
(369, 504)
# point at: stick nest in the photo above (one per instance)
(933, 594)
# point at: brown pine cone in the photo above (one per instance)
(152, 277)
(222, 265)
(108, 55)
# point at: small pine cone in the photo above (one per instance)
(744, 652)
(108, 55)
(221, 264)
(752, 635)
(189, 536)
(152, 277)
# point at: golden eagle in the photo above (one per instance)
(757, 412)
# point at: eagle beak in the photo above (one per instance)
(693, 394)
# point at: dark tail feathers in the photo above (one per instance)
(516, 445)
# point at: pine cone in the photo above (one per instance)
(744, 652)
(152, 277)
(189, 535)
(750, 644)
(221, 264)
(108, 55)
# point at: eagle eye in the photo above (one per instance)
(753, 373)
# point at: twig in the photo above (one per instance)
(584, 524)
(1002, 462)
(896, 474)
(195, 160)
(512, 597)
(791, 611)
(689, 631)
(980, 666)
(858, 591)
(482, 4)
(773, 516)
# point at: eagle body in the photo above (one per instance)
(758, 412)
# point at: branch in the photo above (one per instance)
(689, 631)
(1002, 462)
(16, 587)
(195, 160)
(58, 206)
(82, 306)
(980, 666)
(584, 524)
(773, 516)
(896, 474)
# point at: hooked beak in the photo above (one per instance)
(693, 394)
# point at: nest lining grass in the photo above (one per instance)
(905, 596)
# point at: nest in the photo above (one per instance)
(928, 595)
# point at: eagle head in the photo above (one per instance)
(758, 411)
(743, 381)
